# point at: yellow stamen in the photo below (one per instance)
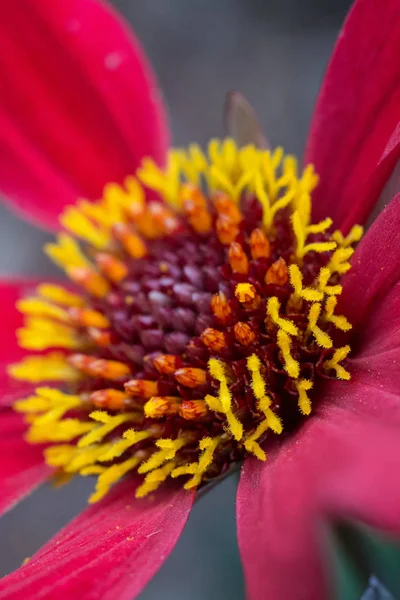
(217, 371)
(40, 334)
(292, 367)
(110, 476)
(258, 387)
(339, 262)
(168, 450)
(303, 386)
(339, 321)
(323, 278)
(66, 252)
(321, 337)
(75, 221)
(273, 307)
(58, 294)
(35, 307)
(154, 479)
(339, 355)
(130, 437)
(301, 234)
(208, 446)
(353, 236)
(296, 280)
(51, 367)
(109, 423)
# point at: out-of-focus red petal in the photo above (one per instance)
(10, 352)
(357, 111)
(375, 267)
(337, 466)
(79, 106)
(110, 551)
(22, 467)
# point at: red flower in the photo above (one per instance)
(79, 109)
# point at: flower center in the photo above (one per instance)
(204, 320)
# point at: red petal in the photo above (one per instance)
(22, 467)
(10, 292)
(357, 111)
(79, 105)
(338, 466)
(375, 266)
(110, 551)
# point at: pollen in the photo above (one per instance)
(201, 315)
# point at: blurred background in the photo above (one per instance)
(275, 52)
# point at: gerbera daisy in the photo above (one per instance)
(218, 311)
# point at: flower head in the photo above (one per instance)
(205, 319)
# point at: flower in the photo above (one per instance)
(238, 270)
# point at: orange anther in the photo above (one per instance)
(91, 281)
(99, 336)
(238, 259)
(227, 230)
(224, 205)
(141, 387)
(99, 367)
(220, 306)
(166, 363)
(192, 197)
(109, 399)
(112, 267)
(277, 273)
(196, 208)
(244, 333)
(162, 406)
(191, 377)
(193, 409)
(86, 317)
(164, 218)
(213, 339)
(259, 244)
(132, 243)
(247, 294)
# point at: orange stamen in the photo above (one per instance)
(112, 268)
(244, 333)
(224, 205)
(109, 399)
(91, 281)
(192, 410)
(277, 273)
(227, 230)
(213, 339)
(259, 244)
(196, 208)
(131, 242)
(191, 377)
(237, 259)
(220, 306)
(141, 387)
(100, 337)
(166, 363)
(99, 367)
(164, 219)
(85, 317)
